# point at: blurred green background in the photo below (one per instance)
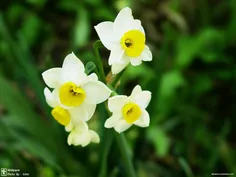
(192, 79)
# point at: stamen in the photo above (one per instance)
(131, 112)
(133, 42)
(128, 42)
(71, 94)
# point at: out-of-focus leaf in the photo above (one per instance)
(82, 28)
(15, 12)
(17, 105)
(142, 71)
(93, 2)
(37, 149)
(169, 83)
(104, 13)
(30, 29)
(46, 171)
(21, 142)
(23, 117)
(159, 139)
(207, 45)
(122, 3)
(185, 167)
(38, 3)
(230, 30)
(203, 83)
(69, 5)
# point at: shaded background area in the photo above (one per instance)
(192, 78)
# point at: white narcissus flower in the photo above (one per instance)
(125, 38)
(73, 88)
(127, 111)
(80, 134)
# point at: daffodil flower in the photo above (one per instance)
(127, 111)
(81, 135)
(125, 38)
(78, 128)
(73, 88)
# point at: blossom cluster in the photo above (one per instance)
(73, 94)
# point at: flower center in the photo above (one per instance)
(61, 115)
(133, 42)
(131, 112)
(71, 94)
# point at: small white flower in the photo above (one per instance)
(125, 38)
(71, 119)
(81, 135)
(73, 88)
(127, 111)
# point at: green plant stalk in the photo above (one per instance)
(106, 138)
(120, 139)
(123, 146)
(96, 46)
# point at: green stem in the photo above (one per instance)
(123, 146)
(108, 136)
(96, 46)
(117, 78)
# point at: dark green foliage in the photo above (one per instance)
(192, 79)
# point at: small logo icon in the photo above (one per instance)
(3, 172)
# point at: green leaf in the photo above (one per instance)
(69, 5)
(159, 139)
(133, 72)
(38, 3)
(82, 28)
(206, 45)
(30, 29)
(170, 82)
(185, 167)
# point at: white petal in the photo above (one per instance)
(50, 98)
(136, 61)
(77, 138)
(111, 121)
(144, 120)
(69, 127)
(106, 34)
(121, 126)
(52, 77)
(90, 109)
(94, 136)
(73, 70)
(142, 99)
(118, 67)
(139, 26)
(116, 103)
(124, 22)
(90, 136)
(78, 134)
(82, 126)
(83, 112)
(70, 60)
(93, 77)
(78, 114)
(82, 136)
(146, 54)
(137, 89)
(116, 54)
(96, 92)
